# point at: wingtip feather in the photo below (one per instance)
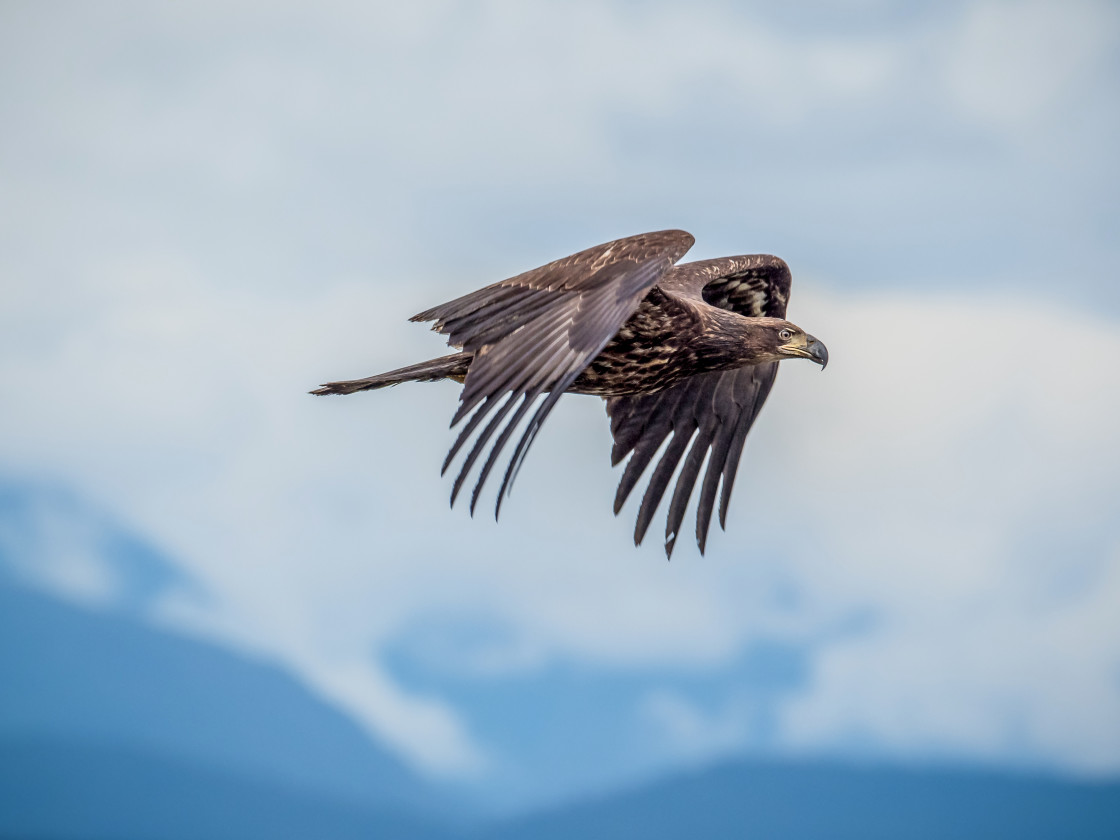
(670, 544)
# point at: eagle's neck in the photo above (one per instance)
(731, 341)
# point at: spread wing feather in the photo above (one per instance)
(533, 334)
(712, 411)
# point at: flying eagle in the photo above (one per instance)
(689, 350)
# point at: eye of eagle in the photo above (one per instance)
(785, 335)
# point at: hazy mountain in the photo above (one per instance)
(54, 540)
(66, 789)
(814, 801)
(78, 679)
(111, 728)
(102, 674)
(93, 677)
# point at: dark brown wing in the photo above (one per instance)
(712, 411)
(536, 332)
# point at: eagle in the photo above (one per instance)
(685, 350)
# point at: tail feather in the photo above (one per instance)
(446, 367)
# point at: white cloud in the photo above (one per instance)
(55, 545)
(426, 730)
(694, 734)
(64, 559)
(1011, 62)
(978, 527)
(430, 93)
(994, 675)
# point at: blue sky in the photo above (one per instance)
(209, 209)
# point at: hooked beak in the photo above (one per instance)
(816, 351)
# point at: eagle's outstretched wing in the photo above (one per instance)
(713, 411)
(536, 332)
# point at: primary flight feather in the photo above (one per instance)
(687, 350)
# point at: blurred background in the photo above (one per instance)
(232, 609)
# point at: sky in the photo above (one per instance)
(208, 209)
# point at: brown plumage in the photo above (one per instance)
(685, 350)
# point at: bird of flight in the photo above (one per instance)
(687, 350)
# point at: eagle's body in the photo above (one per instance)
(685, 350)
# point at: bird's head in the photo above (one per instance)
(789, 341)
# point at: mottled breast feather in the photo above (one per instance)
(711, 411)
